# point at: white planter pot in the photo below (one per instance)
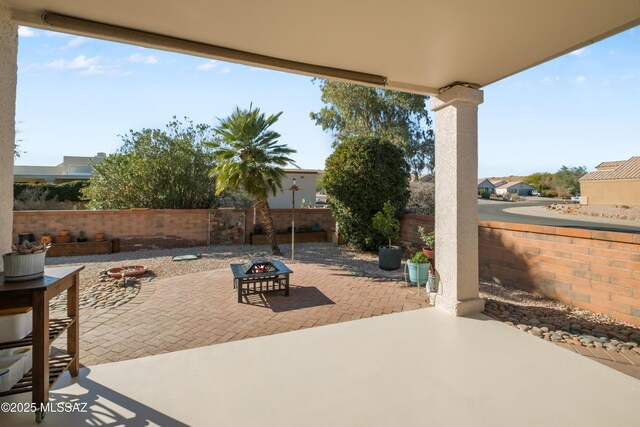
(23, 267)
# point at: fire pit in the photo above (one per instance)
(263, 275)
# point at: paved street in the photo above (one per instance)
(489, 210)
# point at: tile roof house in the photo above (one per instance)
(613, 183)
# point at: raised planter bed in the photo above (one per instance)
(82, 248)
(301, 237)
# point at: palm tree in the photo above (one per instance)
(248, 156)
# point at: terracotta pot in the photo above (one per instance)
(46, 239)
(63, 239)
(431, 254)
(99, 237)
(63, 233)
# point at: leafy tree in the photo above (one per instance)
(362, 173)
(566, 181)
(422, 198)
(156, 169)
(249, 158)
(541, 181)
(402, 118)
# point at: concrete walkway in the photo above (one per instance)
(408, 369)
(200, 309)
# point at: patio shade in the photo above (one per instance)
(417, 46)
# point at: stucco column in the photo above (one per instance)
(8, 79)
(456, 175)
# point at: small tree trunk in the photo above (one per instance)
(267, 221)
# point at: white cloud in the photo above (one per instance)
(79, 62)
(581, 79)
(550, 80)
(143, 59)
(627, 77)
(27, 32)
(76, 42)
(580, 52)
(209, 65)
(83, 65)
(225, 70)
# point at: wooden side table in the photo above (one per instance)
(37, 294)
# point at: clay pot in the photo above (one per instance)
(46, 239)
(63, 239)
(99, 237)
(63, 233)
(431, 254)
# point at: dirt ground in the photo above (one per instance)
(617, 211)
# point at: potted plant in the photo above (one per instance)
(82, 237)
(429, 240)
(385, 221)
(99, 237)
(25, 261)
(64, 236)
(46, 238)
(418, 267)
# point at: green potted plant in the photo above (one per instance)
(429, 240)
(418, 267)
(25, 261)
(385, 221)
(82, 237)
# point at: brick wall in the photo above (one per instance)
(304, 218)
(593, 270)
(155, 228)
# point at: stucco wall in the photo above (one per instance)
(8, 79)
(306, 183)
(611, 192)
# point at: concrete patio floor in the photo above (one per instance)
(200, 309)
(416, 368)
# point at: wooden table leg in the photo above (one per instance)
(40, 348)
(73, 333)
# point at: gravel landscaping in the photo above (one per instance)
(533, 314)
(557, 322)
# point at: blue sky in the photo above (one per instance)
(76, 95)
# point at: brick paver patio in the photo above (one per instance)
(201, 309)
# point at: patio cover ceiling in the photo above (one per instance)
(413, 45)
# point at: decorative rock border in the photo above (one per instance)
(558, 328)
(107, 293)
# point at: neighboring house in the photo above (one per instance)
(306, 180)
(425, 178)
(498, 183)
(486, 186)
(613, 183)
(515, 187)
(72, 168)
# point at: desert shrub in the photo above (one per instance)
(422, 198)
(233, 200)
(361, 175)
(156, 169)
(68, 191)
(34, 198)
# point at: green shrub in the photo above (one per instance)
(361, 175)
(68, 191)
(422, 198)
